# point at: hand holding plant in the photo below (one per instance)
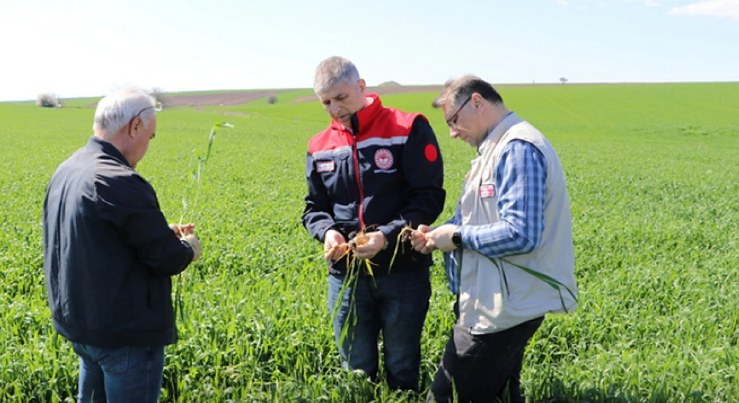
(418, 239)
(186, 232)
(334, 245)
(439, 238)
(368, 244)
(182, 229)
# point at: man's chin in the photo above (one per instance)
(345, 122)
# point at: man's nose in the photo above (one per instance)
(335, 107)
(453, 132)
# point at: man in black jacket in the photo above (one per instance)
(373, 171)
(109, 255)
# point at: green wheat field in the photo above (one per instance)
(653, 177)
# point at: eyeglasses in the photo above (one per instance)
(452, 121)
(157, 107)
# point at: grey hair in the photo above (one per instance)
(332, 71)
(119, 108)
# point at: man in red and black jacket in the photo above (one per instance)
(374, 170)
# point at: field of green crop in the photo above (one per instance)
(653, 176)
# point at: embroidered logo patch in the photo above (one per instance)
(487, 191)
(325, 166)
(383, 158)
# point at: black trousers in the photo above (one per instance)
(480, 367)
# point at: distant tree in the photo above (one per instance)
(272, 99)
(563, 80)
(389, 84)
(47, 101)
(160, 96)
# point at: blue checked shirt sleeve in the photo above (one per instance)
(521, 182)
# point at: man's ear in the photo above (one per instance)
(134, 126)
(478, 102)
(362, 85)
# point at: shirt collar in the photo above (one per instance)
(105, 147)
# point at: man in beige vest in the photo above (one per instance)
(511, 222)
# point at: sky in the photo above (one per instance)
(90, 48)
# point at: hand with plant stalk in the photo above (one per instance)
(509, 253)
(363, 246)
(190, 209)
(186, 232)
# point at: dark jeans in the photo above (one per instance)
(120, 375)
(480, 367)
(395, 304)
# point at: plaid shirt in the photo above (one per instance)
(521, 182)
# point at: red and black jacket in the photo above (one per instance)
(386, 174)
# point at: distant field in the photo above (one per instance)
(653, 177)
(260, 96)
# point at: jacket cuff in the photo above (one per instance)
(321, 235)
(390, 232)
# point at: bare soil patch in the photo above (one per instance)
(218, 99)
(384, 90)
(241, 97)
(221, 99)
(227, 113)
(399, 89)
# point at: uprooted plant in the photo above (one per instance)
(353, 263)
(189, 208)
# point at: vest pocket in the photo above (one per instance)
(485, 283)
(487, 195)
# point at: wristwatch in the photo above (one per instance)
(457, 237)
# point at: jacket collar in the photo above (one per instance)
(365, 116)
(99, 145)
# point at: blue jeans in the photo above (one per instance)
(124, 374)
(395, 303)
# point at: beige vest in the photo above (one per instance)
(494, 298)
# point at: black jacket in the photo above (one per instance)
(109, 253)
(387, 174)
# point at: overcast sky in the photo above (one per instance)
(89, 48)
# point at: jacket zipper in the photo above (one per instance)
(355, 153)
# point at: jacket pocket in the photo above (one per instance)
(335, 172)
